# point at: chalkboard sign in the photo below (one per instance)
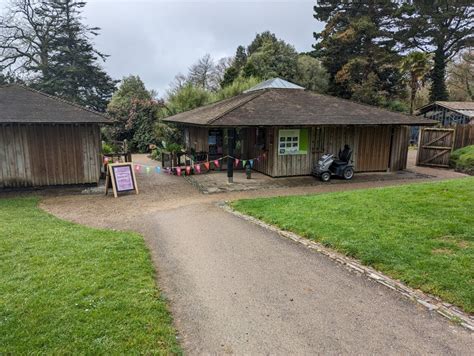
(121, 177)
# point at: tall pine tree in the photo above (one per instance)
(45, 44)
(356, 47)
(77, 76)
(441, 27)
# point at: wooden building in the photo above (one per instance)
(293, 127)
(448, 113)
(47, 141)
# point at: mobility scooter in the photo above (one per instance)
(328, 165)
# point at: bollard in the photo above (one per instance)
(248, 170)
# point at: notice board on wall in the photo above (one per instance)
(121, 178)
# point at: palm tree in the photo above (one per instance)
(415, 67)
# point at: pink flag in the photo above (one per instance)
(137, 167)
(206, 164)
(178, 171)
(197, 168)
(216, 162)
(237, 162)
(188, 170)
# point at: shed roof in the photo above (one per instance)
(19, 104)
(465, 108)
(290, 107)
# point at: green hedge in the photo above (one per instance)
(463, 160)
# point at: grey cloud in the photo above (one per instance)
(158, 39)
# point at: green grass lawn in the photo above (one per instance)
(66, 288)
(422, 234)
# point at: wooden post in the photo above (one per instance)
(230, 160)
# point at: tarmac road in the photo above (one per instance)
(235, 287)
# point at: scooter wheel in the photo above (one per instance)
(325, 177)
(348, 173)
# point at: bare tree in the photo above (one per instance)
(203, 73)
(461, 77)
(26, 35)
(222, 65)
(177, 84)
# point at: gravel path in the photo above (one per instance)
(235, 287)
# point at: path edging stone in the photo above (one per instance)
(432, 303)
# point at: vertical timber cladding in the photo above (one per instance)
(47, 154)
(373, 151)
(371, 147)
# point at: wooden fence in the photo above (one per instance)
(436, 144)
(464, 136)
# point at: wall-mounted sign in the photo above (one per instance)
(121, 177)
(292, 142)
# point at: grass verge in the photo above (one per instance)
(421, 234)
(66, 288)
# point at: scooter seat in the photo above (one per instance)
(339, 163)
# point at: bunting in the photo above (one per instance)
(196, 168)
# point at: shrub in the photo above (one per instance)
(107, 148)
(463, 160)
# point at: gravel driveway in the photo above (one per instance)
(235, 287)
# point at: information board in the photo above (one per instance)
(121, 177)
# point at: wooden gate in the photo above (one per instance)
(435, 146)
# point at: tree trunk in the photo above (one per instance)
(438, 87)
(414, 85)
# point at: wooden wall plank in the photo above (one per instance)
(39, 155)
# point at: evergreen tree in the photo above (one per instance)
(76, 74)
(356, 48)
(442, 27)
(310, 74)
(270, 57)
(240, 57)
(48, 46)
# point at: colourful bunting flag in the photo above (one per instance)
(206, 164)
(178, 171)
(137, 167)
(264, 155)
(197, 168)
(106, 159)
(158, 169)
(251, 163)
(188, 170)
(216, 163)
(244, 163)
(237, 162)
(147, 169)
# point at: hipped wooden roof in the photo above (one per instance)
(289, 107)
(19, 104)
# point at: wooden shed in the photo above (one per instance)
(47, 141)
(293, 127)
(449, 113)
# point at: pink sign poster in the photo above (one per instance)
(123, 178)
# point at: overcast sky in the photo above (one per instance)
(156, 39)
